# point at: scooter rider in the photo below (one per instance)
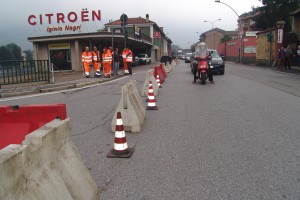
(201, 49)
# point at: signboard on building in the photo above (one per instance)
(58, 22)
(156, 34)
(59, 46)
(251, 33)
(137, 30)
(280, 36)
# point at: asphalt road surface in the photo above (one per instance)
(236, 139)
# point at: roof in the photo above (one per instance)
(136, 20)
(221, 31)
(139, 20)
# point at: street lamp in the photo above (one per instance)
(218, 1)
(212, 23)
(212, 26)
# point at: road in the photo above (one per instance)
(236, 139)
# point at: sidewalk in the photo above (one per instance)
(62, 81)
(294, 69)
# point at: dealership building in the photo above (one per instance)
(63, 49)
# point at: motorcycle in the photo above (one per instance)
(203, 68)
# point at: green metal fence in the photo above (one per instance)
(15, 72)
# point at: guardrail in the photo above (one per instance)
(16, 72)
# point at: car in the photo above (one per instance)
(217, 63)
(188, 57)
(136, 61)
(144, 59)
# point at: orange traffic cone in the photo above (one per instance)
(150, 92)
(120, 149)
(151, 99)
(158, 81)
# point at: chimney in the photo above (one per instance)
(147, 17)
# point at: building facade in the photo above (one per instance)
(64, 51)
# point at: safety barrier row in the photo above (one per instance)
(45, 166)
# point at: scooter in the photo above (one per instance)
(203, 68)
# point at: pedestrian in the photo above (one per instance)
(287, 57)
(86, 59)
(106, 60)
(281, 58)
(298, 56)
(96, 61)
(124, 54)
(116, 57)
(129, 60)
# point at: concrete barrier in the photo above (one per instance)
(149, 77)
(45, 166)
(132, 109)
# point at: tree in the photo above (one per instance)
(273, 11)
(174, 46)
(226, 38)
(28, 54)
(15, 51)
(5, 54)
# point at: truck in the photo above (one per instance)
(144, 59)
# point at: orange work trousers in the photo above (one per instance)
(106, 69)
(96, 66)
(86, 67)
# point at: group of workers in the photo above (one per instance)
(109, 60)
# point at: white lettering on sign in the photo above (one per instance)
(51, 29)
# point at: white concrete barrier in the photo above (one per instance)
(132, 109)
(149, 77)
(46, 166)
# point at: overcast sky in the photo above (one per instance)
(181, 19)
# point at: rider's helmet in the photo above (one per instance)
(201, 49)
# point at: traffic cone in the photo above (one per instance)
(120, 149)
(151, 99)
(150, 92)
(158, 81)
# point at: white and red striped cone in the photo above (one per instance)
(150, 92)
(158, 81)
(151, 100)
(120, 149)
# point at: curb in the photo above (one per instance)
(57, 87)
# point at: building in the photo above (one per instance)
(214, 36)
(64, 50)
(145, 29)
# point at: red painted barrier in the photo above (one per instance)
(163, 70)
(16, 122)
(157, 71)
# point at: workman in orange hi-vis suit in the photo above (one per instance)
(106, 60)
(124, 56)
(129, 60)
(96, 61)
(86, 59)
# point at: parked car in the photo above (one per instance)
(188, 57)
(136, 61)
(217, 63)
(144, 59)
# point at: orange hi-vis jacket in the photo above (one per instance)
(96, 56)
(129, 57)
(126, 58)
(107, 57)
(86, 57)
